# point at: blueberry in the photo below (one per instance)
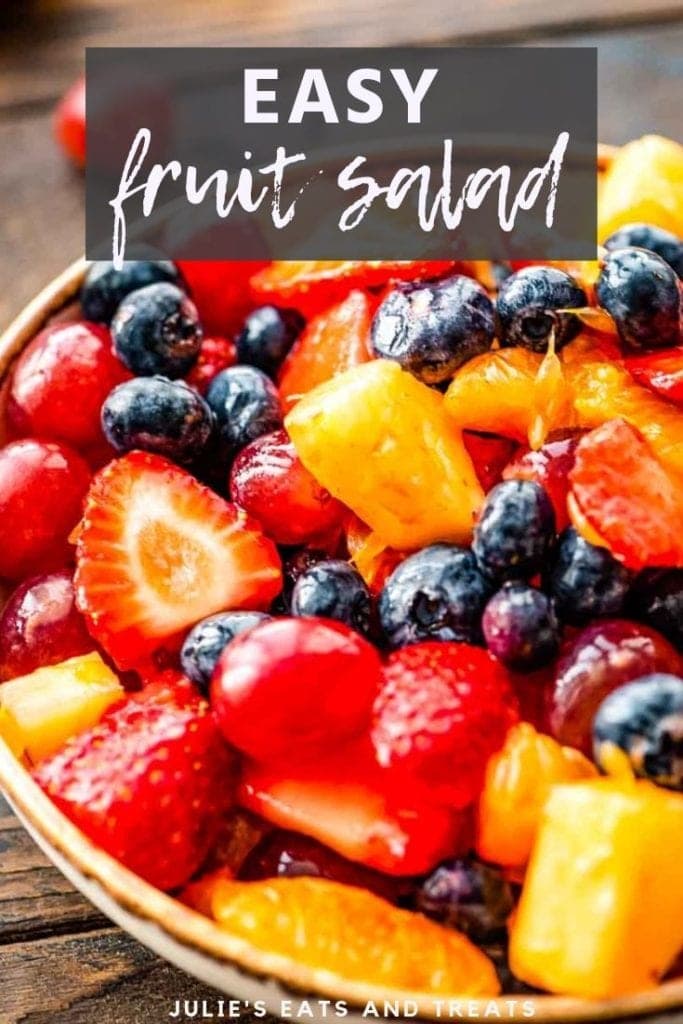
(267, 336)
(465, 894)
(157, 415)
(649, 236)
(515, 532)
(641, 293)
(586, 581)
(436, 594)
(156, 330)
(520, 627)
(334, 590)
(246, 405)
(105, 288)
(645, 719)
(433, 328)
(528, 308)
(656, 599)
(206, 641)
(294, 563)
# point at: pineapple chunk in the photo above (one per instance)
(601, 912)
(39, 712)
(381, 442)
(644, 183)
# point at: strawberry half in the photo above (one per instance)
(661, 372)
(149, 783)
(157, 551)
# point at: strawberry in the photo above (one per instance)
(661, 372)
(148, 784)
(443, 709)
(348, 802)
(157, 551)
(311, 285)
(220, 291)
(622, 497)
(332, 342)
(216, 354)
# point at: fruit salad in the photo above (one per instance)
(345, 600)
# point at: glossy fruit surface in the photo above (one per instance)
(69, 122)
(215, 354)
(60, 381)
(42, 487)
(467, 895)
(641, 293)
(348, 802)
(518, 779)
(645, 719)
(442, 710)
(661, 372)
(612, 844)
(105, 287)
(520, 627)
(625, 496)
(246, 406)
(656, 598)
(283, 854)
(220, 290)
(432, 329)
(644, 182)
(548, 466)
(437, 593)
(206, 641)
(267, 336)
(381, 442)
(157, 552)
(490, 455)
(333, 589)
(530, 308)
(601, 658)
(269, 481)
(304, 918)
(156, 330)
(147, 784)
(40, 625)
(515, 531)
(586, 581)
(332, 342)
(313, 285)
(649, 236)
(155, 414)
(53, 703)
(287, 690)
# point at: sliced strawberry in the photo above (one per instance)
(346, 803)
(312, 285)
(623, 498)
(332, 342)
(490, 455)
(661, 372)
(157, 551)
(148, 784)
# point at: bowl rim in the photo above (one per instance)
(185, 937)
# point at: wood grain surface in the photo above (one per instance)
(61, 962)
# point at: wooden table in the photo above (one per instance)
(60, 961)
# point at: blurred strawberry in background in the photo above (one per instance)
(69, 122)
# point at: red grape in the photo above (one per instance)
(40, 625)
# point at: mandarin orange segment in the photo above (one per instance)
(370, 555)
(332, 342)
(351, 935)
(512, 392)
(518, 780)
(382, 443)
(643, 184)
